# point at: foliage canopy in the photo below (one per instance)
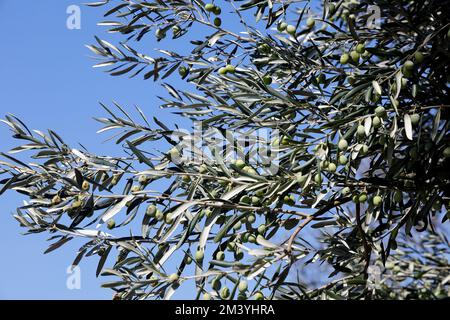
(356, 207)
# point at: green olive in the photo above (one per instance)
(267, 80)
(223, 71)
(380, 111)
(259, 296)
(362, 197)
(151, 210)
(377, 200)
(242, 286)
(85, 186)
(376, 122)
(361, 131)
(343, 160)
(310, 22)
(332, 167)
(182, 71)
(282, 26)
(111, 224)
(199, 255)
(174, 277)
(345, 191)
(318, 178)
(291, 29)
(419, 57)
(415, 118)
(209, 7)
(360, 48)
(446, 152)
(342, 145)
(230, 68)
(217, 22)
(225, 293)
(355, 56)
(220, 256)
(344, 58)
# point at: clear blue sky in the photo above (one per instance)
(48, 81)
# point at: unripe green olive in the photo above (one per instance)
(362, 197)
(56, 200)
(289, 199)
(446, 152)
(345, 191)
(361, 131)
(267, 80)
(230, 68)
(301, 179)
(291, 29)
(160, 34)
(310, 22)
(239, 163)
(419, 57)
(259, 296)
(174, 277)
(355, 56)
(76, 204)
(199, 255)
(85, 185)
(409, 65)
(318, 178)
(223, 71)
(135, 188)
(182, 71)
(415, 118)
(364, 150)
(203, 169)
(243, 286)
(143, 179)
(216, 284)
(380, 111)
(225, 293)
(376, 122)
(217, 22)
(360, 48)
(188, 260)
(245, 199)
(377, 200)
(282, 26)
(262, 229)
(175, 30)
(168, 219)
(343, 145)
(151, 210)
(255, 200)
(217, 10)
(159, 215)
(220, 256)
(251, 239)
(344, 58)
(209, 7)
(343, 160)
(251, 218)
(206, 296)
(111, 224)
(332, 167)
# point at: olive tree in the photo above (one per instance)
(316, 166)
